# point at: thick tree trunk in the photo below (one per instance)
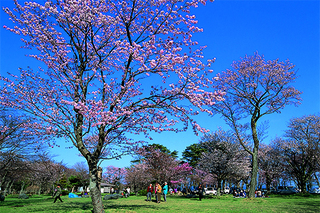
(95, 191)
(219, 187)
(254, 173)
(254, 154)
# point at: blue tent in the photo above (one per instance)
(71, 195)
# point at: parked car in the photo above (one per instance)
(272, 190)
(226, 190)
(210, 191)
(286, 190)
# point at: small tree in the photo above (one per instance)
(255, 88)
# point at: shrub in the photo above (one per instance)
(142, 192)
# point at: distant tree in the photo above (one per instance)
(255, 88)
(224, 157)
(101, 60)
(271, 164)
(75, 182)
(138, 177)
(159, 166)
(115, 175)
(82, 171)
(45, 171)
(15, 138)
(192, 154)
(300, 148)
(160, 147)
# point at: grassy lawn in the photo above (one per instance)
(292, 203)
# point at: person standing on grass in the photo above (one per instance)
(57, 193)
(200, 191)
(159, 190)
(128, 191)
(165, 191)
(149, 192)
(155, 192)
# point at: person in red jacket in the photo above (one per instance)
(149, 192)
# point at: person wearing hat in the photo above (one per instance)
(57, 193)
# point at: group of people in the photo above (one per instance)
(158, 191)
(242, 193)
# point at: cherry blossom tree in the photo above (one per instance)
(300, 148)
(138, 177)
(100, 57)
(159, 166)
(255, 87)
(115, 175)
(45, 172)
(224, 157)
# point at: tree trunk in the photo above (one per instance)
(254, 173)
(219, 187)
(39, 192)
(22, 187)
(95, 191)
(254, 154)
(11, 184)
(268, 182)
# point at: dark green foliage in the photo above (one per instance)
(75, 181)
(142, 192)
(192, 154)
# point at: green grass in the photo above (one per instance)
(44, 204)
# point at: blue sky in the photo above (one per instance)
(232, 29)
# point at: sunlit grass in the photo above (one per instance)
(293, 203)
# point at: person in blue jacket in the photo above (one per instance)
(165, 191)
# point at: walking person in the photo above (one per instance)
(149, 192)
(165, 191)
(57, 193)
(200, 191)
(159, 191)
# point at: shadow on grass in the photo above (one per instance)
(305, 206)
(23, 202)
(136, 207)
